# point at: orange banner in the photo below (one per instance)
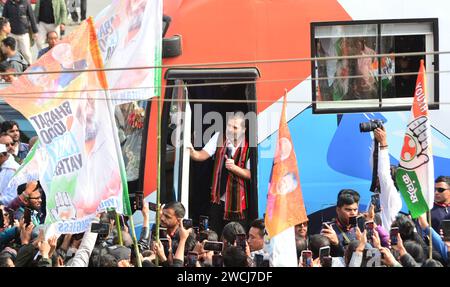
(285, 206)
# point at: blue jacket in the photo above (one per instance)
(437, 242)
(23, 150)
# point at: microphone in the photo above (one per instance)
(228, 153)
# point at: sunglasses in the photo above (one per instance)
(4, 153)
(441, 189)
(9, 144)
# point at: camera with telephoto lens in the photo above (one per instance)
(370, 126)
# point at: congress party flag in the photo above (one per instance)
(415, 176)
(77, 158)
(130, 35)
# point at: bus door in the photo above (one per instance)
(196, 102)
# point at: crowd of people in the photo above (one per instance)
(24, 23)
(381, 236)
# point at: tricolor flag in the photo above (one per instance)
(285, 206)
(77, 159)
(130, 35)
(415, 177)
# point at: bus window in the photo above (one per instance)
(130, 119)
(211, 95)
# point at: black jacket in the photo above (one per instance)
(439, 213)
(21, 16)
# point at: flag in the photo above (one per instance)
(130, 35)
(285, 206)
(79, 165)
(415, 176)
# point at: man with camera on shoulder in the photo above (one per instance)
(390, 200)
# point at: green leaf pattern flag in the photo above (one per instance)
(415, 176)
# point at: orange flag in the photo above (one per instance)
(285, 206)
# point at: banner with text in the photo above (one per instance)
(77, 157)
(130, 35)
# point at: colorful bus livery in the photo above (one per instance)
(266, 47)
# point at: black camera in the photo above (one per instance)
(213, 246)
(187, 223)
(100, 228)
(370, 126)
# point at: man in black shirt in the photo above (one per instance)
(51, 16)
(21, 17)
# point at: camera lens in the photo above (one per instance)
(366, 127)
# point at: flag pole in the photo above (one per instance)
(119, 229)
(158, 178)
(430, 255)
(95, 52)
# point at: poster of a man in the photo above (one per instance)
(288, 183)
(367, 68)
(63, 54)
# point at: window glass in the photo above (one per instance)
(370, 83)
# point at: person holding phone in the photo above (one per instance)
(342, 231)
(32, 198)
(172, 219)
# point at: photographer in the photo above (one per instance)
(205, 257)
(390, 200)
(178, 257)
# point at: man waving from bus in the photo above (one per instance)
(231, 172)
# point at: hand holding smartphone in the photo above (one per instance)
(393, 235)
(152, 206)
(375, 201)
(192, 258)
(27, 216)
(352, 221)
(204, 223)
(369, 226)
(187, 223)
(446, 229)
(306, 257)
(213, 246)
(241, 241)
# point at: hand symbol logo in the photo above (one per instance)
(414, 151)
(65, 209)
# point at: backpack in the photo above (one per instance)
(22, 62)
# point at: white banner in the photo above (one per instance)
(130, 35)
